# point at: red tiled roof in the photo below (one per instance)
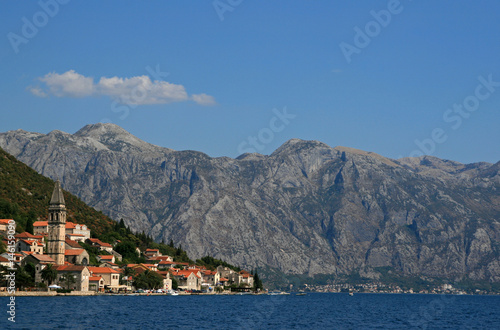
(102, 270)
(70, 268)
(95, 278)
(29, 242)
(209, 272)
(223, 279)
(152, 250)
(43, 258)
(98, 241)
(2, 259)
(26, 235)
(160, 258)
(105, 257)
(40, 224)
(80, 235)
(70, 225)
(185, 273)
(5, 221)
(165, 262)
(73, 244)
(73, 252)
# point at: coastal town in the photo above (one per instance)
(55, 254)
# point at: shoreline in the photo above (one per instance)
(92, 293)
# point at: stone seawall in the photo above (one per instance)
(46, 293)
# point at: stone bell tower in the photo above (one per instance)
(57, 225)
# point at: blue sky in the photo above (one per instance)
(233, 76)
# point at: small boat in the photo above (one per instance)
(351, 294)
(301, 294)
(172, 293)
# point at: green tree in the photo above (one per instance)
(49, 274)
(30, 269)
(127, 272)
(68, 279)
(127, 250)
(23, 279)
(3, 247)
(30, 220)
(175, 285)
(257, 283)
(148, 280)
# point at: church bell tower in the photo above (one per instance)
(57, 225)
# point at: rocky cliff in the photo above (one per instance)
(306, 208)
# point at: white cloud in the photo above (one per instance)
(70, 84)
(141, 90)
(135, 90)
(203, 99)
(37, 91)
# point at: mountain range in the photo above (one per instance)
(307, 208)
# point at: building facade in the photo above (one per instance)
(57, 225)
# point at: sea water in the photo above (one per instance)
(312, 311)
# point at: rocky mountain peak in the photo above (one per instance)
(370, 154)
(296, 145)
(114, 137)
(101, 129)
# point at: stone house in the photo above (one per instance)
(187, 279)
(110, 276)
(77, 256)
(246, 279)
(70, 244)
(106, 258)
(110, 265)
(30, 245)
(101, 245)
(4, 224)
(80, 273)
(40, 261)
(4, 262)
(73, 230)
(211, 278)
(167, 281)
(152, 253)
(96, 283)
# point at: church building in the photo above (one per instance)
(57, 225)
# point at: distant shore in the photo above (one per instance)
(92, 293)
(181, 293)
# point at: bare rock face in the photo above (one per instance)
(306, 208)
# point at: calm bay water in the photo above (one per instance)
(313, 311)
